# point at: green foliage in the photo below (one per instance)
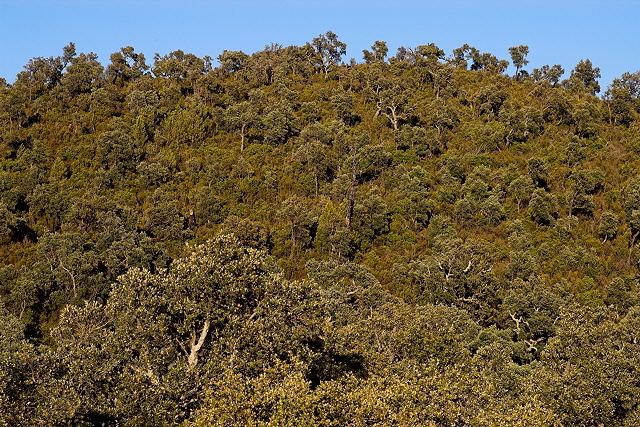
(586, 75)
(519, 57)
(284, 239)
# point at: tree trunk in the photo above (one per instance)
(242, 138)
(192, 358)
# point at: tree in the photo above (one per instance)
(608, 226)
(415, 202)
(461, 56)
(519, 57)
(428, 53)
(378, 53)
(266, 64)
(184, 69)
(300, 60)
(42, 73)
(629, 82)
(479, 61)
(586, 75)
(126, 65)
(279, 125)
(332, 235)
(161, 218)
(314, 155)
(8, 223)
(466, 242)
(249, 233)
(581, 358)
(159, 334)
(117, 152)
(82, 72)
(299, 219)
(583, 184)
(232, 61)
(241, 117)
(632, 206)
(623, 97)
(329, 50)
(343, 104)
(521, 189)
(185, 126)
(363, 162)
(370, 218)
(550, 74)
(72, 265)
(20, 374)
(490, 100)
(390, 94)
(538, 171)
(542, 207)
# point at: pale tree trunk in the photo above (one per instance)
(192, 357)
(392, 116)
(242, 130)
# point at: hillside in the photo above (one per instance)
(282, 238)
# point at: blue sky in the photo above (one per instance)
(606, 32)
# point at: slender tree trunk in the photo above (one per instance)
(242, 137)
(73, 279)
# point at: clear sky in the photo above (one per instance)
(607, 32)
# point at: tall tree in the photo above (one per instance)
(519, 57)
(329, 50)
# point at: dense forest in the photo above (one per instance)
(285, 238)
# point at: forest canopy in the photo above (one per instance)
(285, 238)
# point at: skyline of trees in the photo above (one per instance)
(324, 51)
